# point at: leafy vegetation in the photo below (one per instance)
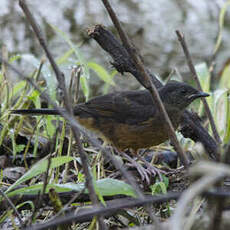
(45, 146)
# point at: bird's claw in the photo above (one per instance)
(145, 173)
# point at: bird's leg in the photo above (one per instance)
(141, 170)
(150, 168)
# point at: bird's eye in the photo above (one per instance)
(183, 91)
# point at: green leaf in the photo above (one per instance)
(85, 86)
(101, 72)
(111, 187)
(165, 180)
(19, 148)
(106, 187)
(18, 87)
(30, 203)
(106, 86)
(1, 77)
(160, 186)
(224, 79)
(77, 52)
(227, 131)
(204, 76)
(41, 167)
(14, 58)
(219, 109)
(50, 80)
(35, 189)
(51, 129)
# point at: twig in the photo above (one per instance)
(119, 204)
(68, 106)
(12, 206)
(212, 173)
(197, 188)
(147, 82)
(194, 74)
(45, 182)
(89, 213)
(220, 203)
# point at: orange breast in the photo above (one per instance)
(122, 136)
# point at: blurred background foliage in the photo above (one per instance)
(150, 24)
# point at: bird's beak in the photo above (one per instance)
(197, 95)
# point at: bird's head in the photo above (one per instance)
(179, 95)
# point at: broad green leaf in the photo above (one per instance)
(35, 189)
(41, 167)
(219, 108)
(204, 76)
(111, 187)
(224, 79)
(96, 188)
(106, 187)
(101, 72)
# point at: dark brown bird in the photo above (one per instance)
(130, 119)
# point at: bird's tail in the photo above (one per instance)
(35, 112)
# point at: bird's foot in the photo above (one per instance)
(146, 173)
(143, 172)
(152, 169)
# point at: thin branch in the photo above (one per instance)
(195, 189)
(89, 213)
(114, 206)
(12, 206)
(194, 74)
(68, 106)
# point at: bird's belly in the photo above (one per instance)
(141, 135)
(122, 136)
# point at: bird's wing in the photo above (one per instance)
(124, 107)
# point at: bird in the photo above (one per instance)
(131, 119)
